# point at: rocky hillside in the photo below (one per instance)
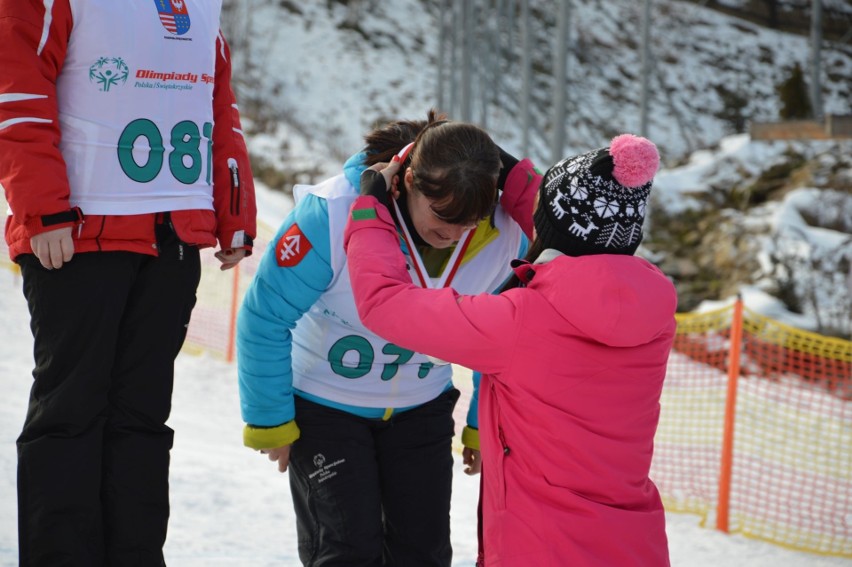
(312, 77)
(321, 73)
(773, 215)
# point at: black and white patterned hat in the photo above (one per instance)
(594, 203)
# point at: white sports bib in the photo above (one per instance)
(135, 105)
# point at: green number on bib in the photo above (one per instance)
(208, 135)
(186, 147)
(424, 369)
(365, 356)
(185, 141)
(402, 356)
(141, 128)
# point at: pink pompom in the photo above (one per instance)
(635, 160)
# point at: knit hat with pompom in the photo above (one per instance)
(594, 203)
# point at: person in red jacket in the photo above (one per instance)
(573, 354)
(121, 155)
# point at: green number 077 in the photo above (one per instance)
(366, 355)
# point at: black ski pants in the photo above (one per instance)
(374, 493)
(93, 456)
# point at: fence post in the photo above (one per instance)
(722, 509)
(232, 323)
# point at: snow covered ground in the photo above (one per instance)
(230, 506)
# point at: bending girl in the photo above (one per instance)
(366, 426)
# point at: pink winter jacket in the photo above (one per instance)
(573, 365)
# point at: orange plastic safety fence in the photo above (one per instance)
(791, 474)
(688, 444)
(793, 448)
(212, 325)
(791, 478)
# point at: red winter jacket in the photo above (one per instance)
(32, 169)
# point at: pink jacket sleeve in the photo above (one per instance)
(475, 331)
(519, 193)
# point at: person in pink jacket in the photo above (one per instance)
(573, 354)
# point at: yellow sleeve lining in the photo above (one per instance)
(270, 437)
(470, 437)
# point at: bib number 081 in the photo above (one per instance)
(184, 157)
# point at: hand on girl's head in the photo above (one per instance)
(388, 170)
(380, 181)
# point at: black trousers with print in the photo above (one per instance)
(369, 492)
(93, 456)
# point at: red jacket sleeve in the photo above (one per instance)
(32, 170)
(233, 185)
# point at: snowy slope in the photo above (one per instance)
(231, 507)
(323, 72)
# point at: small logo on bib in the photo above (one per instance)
(107, 72)
(173, 15)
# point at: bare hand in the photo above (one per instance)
(230, 257)
(280, 454)
(473, 461)
(53, 248)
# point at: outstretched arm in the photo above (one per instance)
(474, 331)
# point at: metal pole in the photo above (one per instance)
(442, 54)
(646, 67)
(510, 17)
(816, 46)
(452, 111)
(505, 45)
(497, 66)
(467, 61)
(560, 74)
(487, 72)
(526, 72)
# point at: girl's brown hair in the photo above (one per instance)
(454, 164)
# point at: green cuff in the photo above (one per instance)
(470, 437)
(270, 437)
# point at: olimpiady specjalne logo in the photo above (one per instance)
(174, 16)
(107, 72)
